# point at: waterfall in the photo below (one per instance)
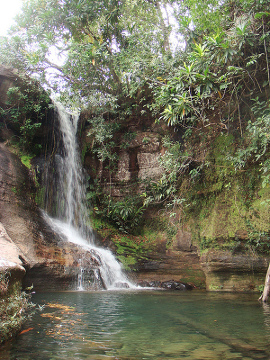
(68, 206)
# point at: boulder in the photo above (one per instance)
(174, 285)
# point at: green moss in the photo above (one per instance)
(223, 203)
(40, 196)
(215, 287)
(103, 227)
(26, 160)
(22, 154)
(259, 211)
(158, 227)
(127, 261)
(131, 249)
(84, 151)
(193, 277)
(128, 248)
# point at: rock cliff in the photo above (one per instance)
(26, 239)
(218, 239)
(167, 249)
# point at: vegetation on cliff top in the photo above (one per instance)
(24, 112)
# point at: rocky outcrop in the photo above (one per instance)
(9, 251)
(177, 262)
(181, 260)
(8, 77)
(50, 262)
(138, 161)
(226, 271)
(28, 244)
(213, 269)
(174, 266)
(27, 240)
(10, 261)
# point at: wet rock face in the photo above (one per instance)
(25, 237)
(226, 271)
(59, 267)
(169, 267)
(121, 285)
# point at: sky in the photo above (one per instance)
(8, 10)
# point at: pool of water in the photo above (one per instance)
(144, 325)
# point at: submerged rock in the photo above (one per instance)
(174, 285)
(167, 285)
(121, 285)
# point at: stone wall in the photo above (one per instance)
(219, 225)
(226, 271)
(138, 161)
(50, 262)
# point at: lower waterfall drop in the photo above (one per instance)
(69, 216)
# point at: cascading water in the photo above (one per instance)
(70, 219)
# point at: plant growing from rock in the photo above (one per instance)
(15, 307)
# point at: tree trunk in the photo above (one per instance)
(266, 290)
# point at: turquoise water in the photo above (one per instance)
(144, 325)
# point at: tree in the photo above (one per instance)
(108, 48)
(266, 290)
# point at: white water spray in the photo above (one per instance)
(72, 223)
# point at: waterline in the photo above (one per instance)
(145, 325)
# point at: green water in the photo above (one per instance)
(144, 325)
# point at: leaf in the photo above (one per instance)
(25, 331)
(261, 14)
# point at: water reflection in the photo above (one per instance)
(266, 312)
(153, 325)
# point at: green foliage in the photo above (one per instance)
(109, 48)
(175, 162)
(26, 109)
(127, 138)
(220, 63)
(119, 62)
(258, 240)
(129, 251)
(256, 146)
(102, 133)
(125, 214)
(15, 307)
(119, 54)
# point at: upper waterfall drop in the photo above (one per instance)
(71, 184)
(69, 215)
